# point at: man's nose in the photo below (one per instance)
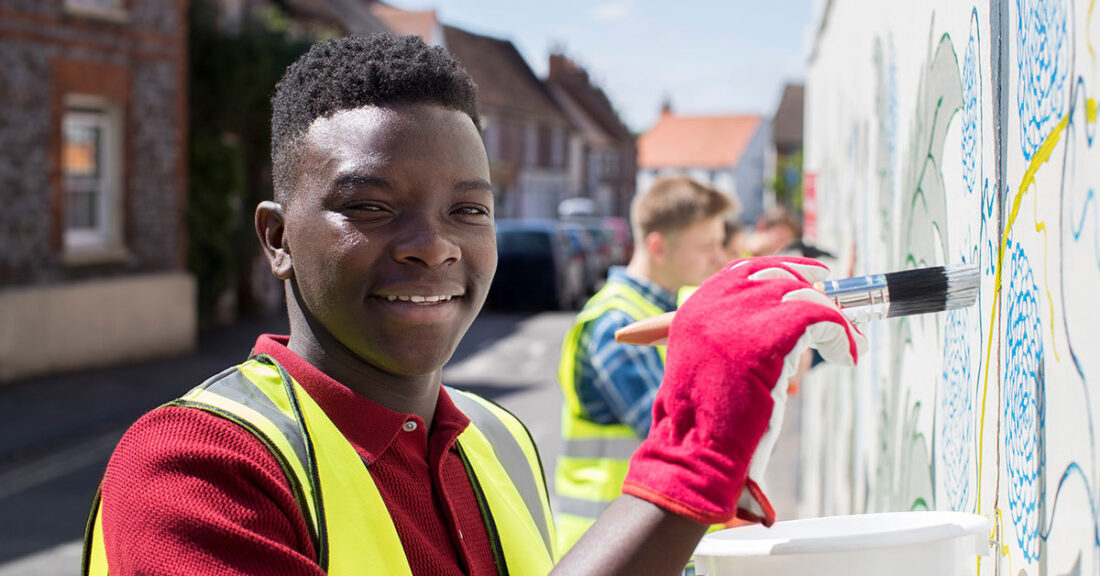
(426, 242)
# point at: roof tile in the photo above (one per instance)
(696, 141)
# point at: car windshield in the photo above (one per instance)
(522, 242)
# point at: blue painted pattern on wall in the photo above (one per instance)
(1023, 347)
(1042, 44)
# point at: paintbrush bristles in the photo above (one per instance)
(962, 286)
(932, 289)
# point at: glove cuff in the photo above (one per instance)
(754, 506)
(676, 506)
(692, 481)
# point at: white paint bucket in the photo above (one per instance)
(896, 543)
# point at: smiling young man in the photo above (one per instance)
(336, 449)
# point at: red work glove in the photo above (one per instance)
(732, 346)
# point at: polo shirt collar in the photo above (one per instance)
(370, 427)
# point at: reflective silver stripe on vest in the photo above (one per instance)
(511, 457)
(235, 386)
(600, 448)
(580, 507)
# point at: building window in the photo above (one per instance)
(91, 175)
(103, 9)
(557, 155)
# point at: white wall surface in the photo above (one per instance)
(992, 409)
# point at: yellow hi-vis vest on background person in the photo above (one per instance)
(594, 457)
(351, 528)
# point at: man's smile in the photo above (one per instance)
(419, 299)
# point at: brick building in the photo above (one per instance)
(603, 151)
(526, 133)
(93, 164)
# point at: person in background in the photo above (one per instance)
(734, 243)
(775, 230)
(609, 387)
(336, 449)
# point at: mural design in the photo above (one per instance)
(956, 433)
(988, 409)
(962, 340)
(1023, 420)
(1042, 48)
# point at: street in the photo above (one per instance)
(58, 432)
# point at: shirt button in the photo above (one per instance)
(409, 426)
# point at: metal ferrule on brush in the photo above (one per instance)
(862, 298)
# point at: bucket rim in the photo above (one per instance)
(843, 533)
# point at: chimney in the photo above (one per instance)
(666, 106)
(557, 65)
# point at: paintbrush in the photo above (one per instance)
(862, 298)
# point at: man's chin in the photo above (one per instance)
(416, 360)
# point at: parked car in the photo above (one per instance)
(622, 241)
(610, 245)
(540, 266)
(597, 253)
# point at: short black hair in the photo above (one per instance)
(355, 71)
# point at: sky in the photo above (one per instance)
(705, 56)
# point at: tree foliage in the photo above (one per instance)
(788, 181)
(232, 74)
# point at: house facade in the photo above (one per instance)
(602, 151)
(727, 152)
(526, 133)
(93, 177)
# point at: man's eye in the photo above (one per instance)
(366, 209)
(472, 211)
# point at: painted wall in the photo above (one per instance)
(947, 132)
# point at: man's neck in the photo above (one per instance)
(640, 268)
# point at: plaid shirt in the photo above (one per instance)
(618, 382)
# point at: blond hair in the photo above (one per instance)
(675, 203)
(779, 216)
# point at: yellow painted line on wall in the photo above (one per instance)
(1041, 226)
(1088, 31)
(1041, 157)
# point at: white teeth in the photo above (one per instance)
(419, 299)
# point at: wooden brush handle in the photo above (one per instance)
(649, 332)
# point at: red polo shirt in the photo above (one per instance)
(187, 492)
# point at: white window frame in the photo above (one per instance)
(104, 240)
(110, 10)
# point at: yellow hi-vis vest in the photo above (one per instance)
(350, 526)
(594, 457)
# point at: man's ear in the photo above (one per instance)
(656, 244)
(271, 228)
